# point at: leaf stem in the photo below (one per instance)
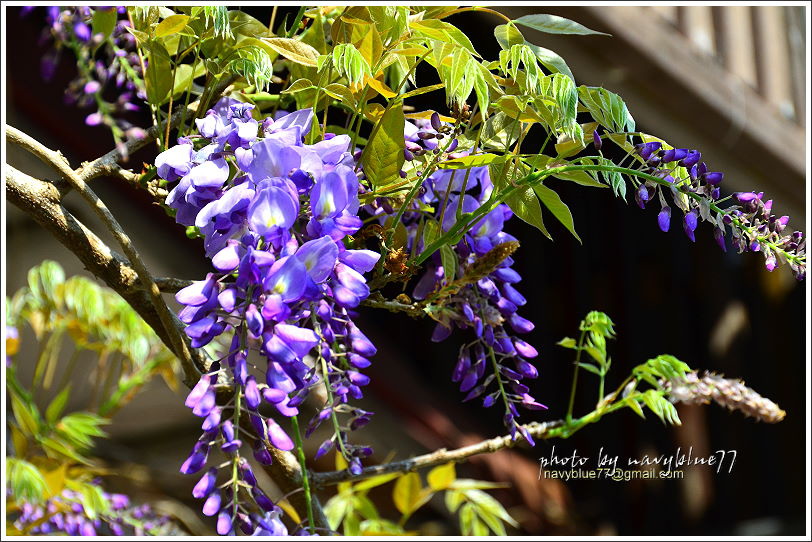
(579, 348)
(297, 435)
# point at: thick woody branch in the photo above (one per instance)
(42, 202)
(439, 457)
(178, 340)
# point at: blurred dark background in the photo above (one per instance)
(728, 81)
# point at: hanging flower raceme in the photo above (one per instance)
(273, 212)
(110, 78)
(494, 363)
(696, 191)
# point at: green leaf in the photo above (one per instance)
(171, 25)
(92, 498)
(56, 406)
(551, 60)
(253, 63)
(442, 477)
(474, 160)
(159, 73)
(661, 406)
(525, 204)
(26, 480)
(568, 342)
(104, 21)
(26, 415)
(406, 492)
(589, 367)
(185, 74)
(553, 202)
(445, 32)
(632, 403)
(379, 527)
(217, 17)
(449, 261)
(350, 63)
(468, 483)
(59, 449)
(553, 24)
(383, 157)
(542, 161)
(336, 509)
(607, 108)
(245, 26)
(482, 77)
(491, 521)
(294, 50)
(467, 519)
(453, 500)
(500, 132)
(491, 505)
(364, 507)
(375, 481)
(508, 35)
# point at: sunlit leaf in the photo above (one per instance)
(406, 493)
(525, 204)
(57, 405)
(294, 50)
(441, 477)
(383, 157)
(445, 32)
(474, 160)
(171, 25)
(553, 24)
(508, 35)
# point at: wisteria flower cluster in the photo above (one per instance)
(487, 304)
(106, 65)
(273, 212)
(696, 191)
(64, 514)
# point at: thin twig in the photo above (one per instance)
(58, 161)
(108, 163)
(439, 457)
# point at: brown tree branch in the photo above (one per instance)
(439, 457)
(179, 341)
(42, 202)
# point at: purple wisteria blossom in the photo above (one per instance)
(494, 363)
(110, 78)
(64, 514)
(695, 190)
(283, 291)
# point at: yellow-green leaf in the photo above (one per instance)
(294, 50)
(474, 160)
(380, 88)
(171, 25)
(375, 481)
(104, 21)
(441, 477)
(383, 158)
(406, 492)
